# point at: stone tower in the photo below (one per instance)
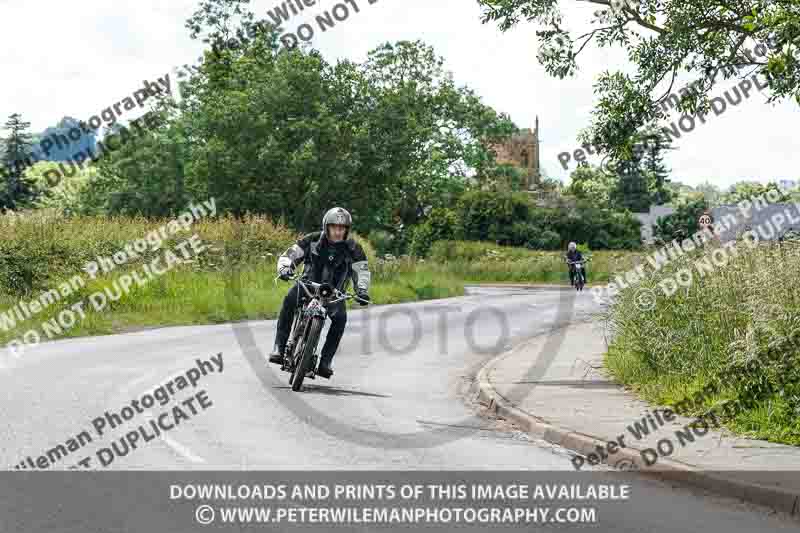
(522, 150)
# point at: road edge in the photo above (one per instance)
(484, 393)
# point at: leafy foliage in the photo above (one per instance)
(58, 191)
(664, 39)
(441, 224)
(745, 190)
(511, 219)
(681, 224)
(592, 185)
(288, 134)
(16, 189)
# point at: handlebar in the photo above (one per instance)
(339, 295)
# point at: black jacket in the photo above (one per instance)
(574, 256)
(327, 262)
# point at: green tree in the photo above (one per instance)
(632, 191)
(710, 40)
(17, 191)
(504, 177)
(650, 149)
(549, 184)
(681, 224)
(286, 133)
(67, 195)
(444, 128)
(745, 190)
(642, 176)
(710, 192)
(592, 185)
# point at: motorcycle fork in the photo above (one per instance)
(298, 328)
(319, 311)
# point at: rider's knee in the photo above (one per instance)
(340, 318)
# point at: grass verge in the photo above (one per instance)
(721, 344)
(479, 262)
(188, 297)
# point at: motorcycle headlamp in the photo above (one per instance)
(325, 290)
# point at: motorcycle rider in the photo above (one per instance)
(330, 257)
(574, 255)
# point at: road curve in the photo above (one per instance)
(397, 400)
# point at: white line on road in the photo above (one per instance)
(179, 448)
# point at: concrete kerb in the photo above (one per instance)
(628, 459)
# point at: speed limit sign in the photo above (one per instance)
(705, 220)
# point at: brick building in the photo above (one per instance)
(522, 150)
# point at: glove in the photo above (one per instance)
(285, 274)
(362, 295)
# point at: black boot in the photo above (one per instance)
(277, 355)
(324, 368)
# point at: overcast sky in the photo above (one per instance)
(62, 58)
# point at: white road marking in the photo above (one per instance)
(179, 448)
(136, 381)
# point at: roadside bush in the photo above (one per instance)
(441, 224)
(681, 224)
(382, 241)
(546, 240)
(511, 219)
(603, 229)
(490, 216)
(523, 234)
(600, 240)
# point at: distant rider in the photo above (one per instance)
(573, 255)
(330, 257)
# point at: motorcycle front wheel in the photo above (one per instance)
(309, 347)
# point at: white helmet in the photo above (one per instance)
(572, 247)
(337, 215)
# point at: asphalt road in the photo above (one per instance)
(398, 400)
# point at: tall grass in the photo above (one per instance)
(481, 262)
(718, 331)
(231, 280)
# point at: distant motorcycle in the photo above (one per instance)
(299, 357)
(580, 274)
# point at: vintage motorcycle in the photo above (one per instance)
(580, 275)
(299, 357)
